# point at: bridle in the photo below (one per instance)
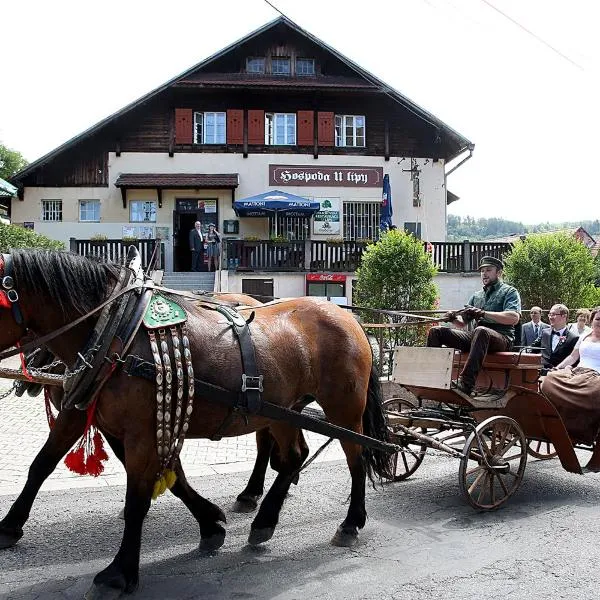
(9, 297)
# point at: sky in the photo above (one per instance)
(529, 101)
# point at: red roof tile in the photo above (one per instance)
(177, 180)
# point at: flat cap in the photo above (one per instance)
(490, 261)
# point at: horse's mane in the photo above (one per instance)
(74, 282)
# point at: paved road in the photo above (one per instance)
(421, 541)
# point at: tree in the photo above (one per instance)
(13, 236)
(397, 273)
(11, 162)
(553, 268)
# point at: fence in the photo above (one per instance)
(116, 250)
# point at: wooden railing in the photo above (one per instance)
(264, 255)
(333, 256)
(116, 250)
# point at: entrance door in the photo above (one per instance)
(187, 212)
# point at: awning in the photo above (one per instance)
(275, 201)
(7, 190)
(161, 181)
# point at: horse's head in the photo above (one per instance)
(12, 320)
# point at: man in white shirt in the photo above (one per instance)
(556, 342)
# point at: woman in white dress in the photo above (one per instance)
(575, 392)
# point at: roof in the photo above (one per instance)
(7, 190)
(461, 142)
(450, 197)
(177, 180)
(574, 231)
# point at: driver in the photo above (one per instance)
(491, 316)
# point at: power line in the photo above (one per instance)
(532, 34)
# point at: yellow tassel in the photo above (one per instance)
(165, 482)
(170, 478)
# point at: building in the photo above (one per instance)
(278, 109)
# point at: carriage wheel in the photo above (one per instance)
(493, 463)
(542, 450)
(406, 461)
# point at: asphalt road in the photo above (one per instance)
(421, 541)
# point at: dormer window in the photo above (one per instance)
(305, 66)
(281, 65)
(255, 64)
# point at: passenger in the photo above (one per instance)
(495, 310)
(575, 392)
(556, 342)
(531, 331)
(581, 324)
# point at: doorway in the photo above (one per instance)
(187, 212)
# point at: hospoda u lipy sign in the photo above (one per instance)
(327, 176)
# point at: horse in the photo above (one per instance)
(307, 349)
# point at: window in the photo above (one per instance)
(326, 289)
(142, 211)
(350, 130)
(305, 66)
(51, 210)
(281, 65)
(209, 128)
(291, 228)
(256, 64)
(280, 129)
(89, 210)
(414, 228)
(361, 220)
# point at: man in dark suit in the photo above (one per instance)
(532, 330)
(556, 342)
(196, 245)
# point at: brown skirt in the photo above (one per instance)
(576, 395)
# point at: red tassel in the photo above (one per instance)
(23, 363)
(49, 414)
(88, 456)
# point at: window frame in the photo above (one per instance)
(136, 202)
(312, 62)
(200, 118)
(361, 220)
(96, 203)
(274, 59)
(271, 119)
(249, 59)
(341, 139)
(56, 209)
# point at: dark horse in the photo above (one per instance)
(306, 349)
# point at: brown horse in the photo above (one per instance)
(306, 349)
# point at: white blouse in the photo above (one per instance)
(589, 353)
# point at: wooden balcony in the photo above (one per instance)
(116, 250)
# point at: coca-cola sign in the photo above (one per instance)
(364, 177)
(325, 277)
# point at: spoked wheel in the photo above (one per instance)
(406, 461)
(493, 463)
(542, 450)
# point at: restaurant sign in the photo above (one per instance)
(355, 177)
(334, 277)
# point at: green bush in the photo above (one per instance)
(550, 269)
(13, 236)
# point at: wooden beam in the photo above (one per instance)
(245, 135)
(124, 196)
(232, 196)
(159, 195)
(118, 148)
(386, 140)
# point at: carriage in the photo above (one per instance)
(491, 434)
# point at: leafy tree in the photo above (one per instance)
(396, 273)
(13, 236)
(553, 268)
(11, 162)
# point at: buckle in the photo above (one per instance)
(12, 295)
(8, 282)
(252, 383)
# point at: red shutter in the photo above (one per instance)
(256, 127)
(306, 127)
(235, 126)
(326, 128)
(184, 126)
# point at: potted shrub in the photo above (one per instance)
(251, 240)
(278, 239)
(338, 240)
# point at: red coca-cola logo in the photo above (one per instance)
(325, 277)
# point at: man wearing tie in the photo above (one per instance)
(196, 244)
(556, 341)
(531, 331)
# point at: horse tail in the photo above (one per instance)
(378, 463)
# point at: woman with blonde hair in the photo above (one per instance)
(213, 246)
(575, 392)
(581, 324)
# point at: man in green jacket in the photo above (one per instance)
(487, 324)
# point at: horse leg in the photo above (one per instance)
(247, 500)
(68, 428)
(122, 575)
(291, 455)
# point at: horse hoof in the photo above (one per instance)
(9, 538)
(260, 536)
(247, 504)
(211, 543)
(345, 537)
(102, 592)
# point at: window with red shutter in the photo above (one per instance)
(256, 127)
(184, 125)
(235, 126)
(326, 128)
(306, 127)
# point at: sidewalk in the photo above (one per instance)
(24, 429)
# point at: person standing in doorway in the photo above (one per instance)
(196, 244)
(213, 248)
(531, 331)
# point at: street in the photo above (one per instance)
(421, 541)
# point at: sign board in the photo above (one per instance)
(327, 219)
(424, 367)
(301, 175)
(333, 277)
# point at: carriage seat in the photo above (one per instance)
(506, 360)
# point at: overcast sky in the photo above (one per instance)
(532, 113)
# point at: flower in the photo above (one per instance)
(562, 338)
